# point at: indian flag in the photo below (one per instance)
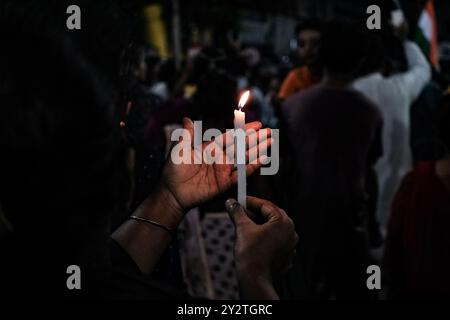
(427, 33)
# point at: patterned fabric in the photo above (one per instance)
(207, 256)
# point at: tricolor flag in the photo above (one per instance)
(427, 33)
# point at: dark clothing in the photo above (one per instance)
(128, 282)
(425, 145)
(42, 273)
(149, 156)
(149, 162)
(335, 135)
(372, 193)
(330, 125)
(417, 253)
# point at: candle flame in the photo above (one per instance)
(243, 99)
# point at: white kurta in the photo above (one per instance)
(394, 96)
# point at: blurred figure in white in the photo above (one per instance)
(394, 95)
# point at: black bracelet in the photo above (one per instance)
(153, 223)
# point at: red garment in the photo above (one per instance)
(417, 254)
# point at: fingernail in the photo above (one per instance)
(187, 122)
(231, 205)
(264, 159)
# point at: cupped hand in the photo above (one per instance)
(192, 184)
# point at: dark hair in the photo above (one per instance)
(131, 57)
(308, 24)
(374, 55)
(62, 157)
(210, 59)
(62, 169)
(153, 61)
(343, 47)
(213, 79)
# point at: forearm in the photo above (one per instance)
(415, 57)
(417, 64)
(254, 287)
(410, 83)
(145, 243)
(255, 281)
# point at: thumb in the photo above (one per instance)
(189, 126)
(236, 212)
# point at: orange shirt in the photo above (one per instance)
(297, 80)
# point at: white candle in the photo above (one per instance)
(239, 125)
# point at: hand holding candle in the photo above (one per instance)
(194, 183)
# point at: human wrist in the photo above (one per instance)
(161, 206)
(248, 273)
(256, 286)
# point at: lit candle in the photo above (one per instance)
(239, 125)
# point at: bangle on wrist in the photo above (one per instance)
(153, 223)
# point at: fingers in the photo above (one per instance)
(255, 137)
(226, 142)
(265, 207)
(273, 213)
(189, 125)
(249, 170)
(253, 154)
(277, 234)
(236, 212)
(257, 145)
(254, 134)
(255, 125)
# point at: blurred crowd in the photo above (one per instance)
(364, 122)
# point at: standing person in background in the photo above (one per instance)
(335, 132)
(308, 35)
(157, 85)
(394, 95)
(142, 104)
(417, 254)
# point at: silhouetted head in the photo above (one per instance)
(308, 33)
(343, 48)
(216, 95)
(133, 65)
